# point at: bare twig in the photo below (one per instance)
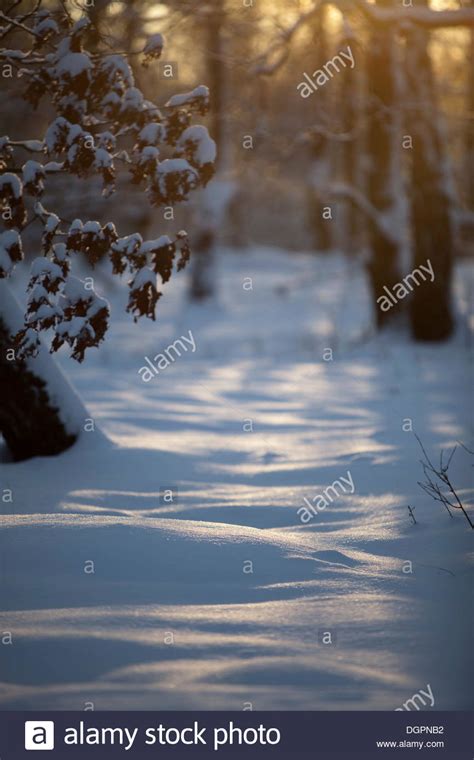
(438, 481)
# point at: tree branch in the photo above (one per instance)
(415, 14)
(424, 17)
(19, 25)
(351, 193)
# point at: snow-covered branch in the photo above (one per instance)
(351, 193)
(170, 156)
(18, 25)
(415, 14)
(277, 53)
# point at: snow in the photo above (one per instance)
(154, 44)
(129, 244)
(73, 327)
(103, 159)
(54, 133)
(170, 165)
(96, 305)
(153, 245)
(42, 265)
(53, 166)
(6, 264)
(81, 25)
(74, 290)
(72, 412)
(111, 98)
(52, 223)
(75, 132)
(105, 139)
(34, 145)
(31, 170)
(205, 147)
(132, 99)
(15, 54)
(45, 311)
(176, 567)
(188, 97)
(152, 133)
(91, 227)
(426, 17)
(9, 238)
(44, 24)
(144, 276)
(12, 183)
(212, 202)
(10, 247)
(116, 65)
(60, 252)
(149, 152)
(38, 292)
(73, 64)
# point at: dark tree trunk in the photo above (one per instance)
(201, 286)
(430, 198)
(31, 422)
(320, 148)
(469, 123)
(349, 148)
(30, 425)
(204, 241)
(383, 158)
(96, 14)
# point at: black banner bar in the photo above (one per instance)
(272, 735)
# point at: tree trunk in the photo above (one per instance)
(40, 414)
(349, 147)
(202, 283)
(320, 148)
(204, 239)
(431, 197)
(384, 155)
(469, 138)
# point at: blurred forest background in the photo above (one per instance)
(377, 163)
(318, 206)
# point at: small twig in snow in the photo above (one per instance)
(437, 478)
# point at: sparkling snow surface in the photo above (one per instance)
(169, 619)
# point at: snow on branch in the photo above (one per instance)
(10, 251)
(99, 112)
(18, 25)
(415, 14)
(277, 53)
(351, 193)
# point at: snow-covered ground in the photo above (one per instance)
(223, 597)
